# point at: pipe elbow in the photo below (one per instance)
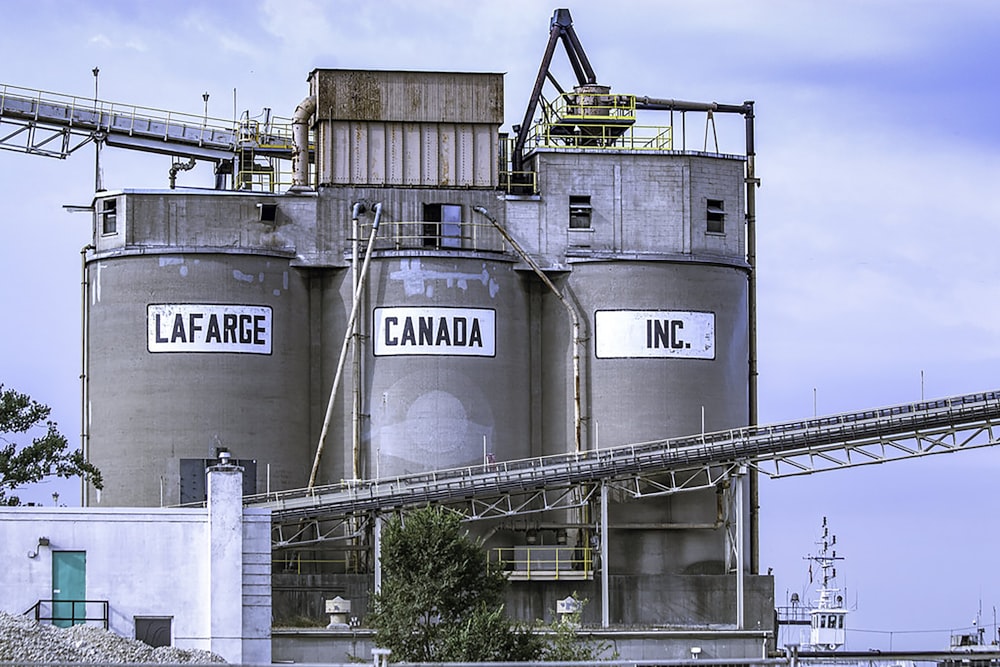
(305, 109)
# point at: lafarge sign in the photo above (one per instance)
(174, 327)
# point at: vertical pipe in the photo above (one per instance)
(574, 321)
(605, 593)
(300, 137)
(345, 344)
(377, 547)
(752, 182)
(740, 556)
(356, 365)
(84, 366)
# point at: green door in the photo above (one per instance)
(69, 588)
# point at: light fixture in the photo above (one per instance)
(42, 542)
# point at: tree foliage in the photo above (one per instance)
(565, 645)
(44, 456)
(440, 601)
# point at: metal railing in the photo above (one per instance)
(89, 114)
(417, 235)
(544, 562)
(601, 136)
(70, 612)
(44, 123)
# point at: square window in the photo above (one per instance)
(716, 217)
(109, 216)
(579, 212)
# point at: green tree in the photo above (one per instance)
(440, 601)
(45, 456)
(566, 645)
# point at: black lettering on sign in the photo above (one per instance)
(665, 334)
(208, 328)
(259, 329)
(193, 326)
(159, 338)
(246, 329)
(428, 330)
(390, 322)
(675, 340)
(444, 336)
(178, 334)
(213, 335)
(408, 335)
(476, 335)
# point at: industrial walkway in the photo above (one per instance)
(55, 125)
(665, 466)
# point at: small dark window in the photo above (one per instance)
(268, 212)
(579, 211)
(109, 216)
(442, 226)
(716, 216)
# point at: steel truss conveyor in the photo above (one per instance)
(56, 125)
(719, 460)
(666, 466)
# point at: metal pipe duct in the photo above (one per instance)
(348, 334)
(300, 136)
(574, 319)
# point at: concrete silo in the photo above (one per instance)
(196, 339)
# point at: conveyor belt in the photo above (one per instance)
(55, 125)
(859, 438)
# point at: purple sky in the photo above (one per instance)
(878, 217)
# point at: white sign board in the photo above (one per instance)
(654, 334)
(186, 327)
(466, 332)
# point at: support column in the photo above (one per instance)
(605, 593)
(225, 526)
(740, 551)
(377, 536)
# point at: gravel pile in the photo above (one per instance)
(22, 639)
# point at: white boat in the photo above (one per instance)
(826, 618)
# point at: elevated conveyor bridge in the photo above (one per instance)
(351, 512)
(56, 125)
(658, 467)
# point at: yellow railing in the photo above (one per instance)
(601, 136)
(544, 562)
(591, 106)
(519, 182)
(336, 562)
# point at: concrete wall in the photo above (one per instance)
(310, 645)
(210, 577)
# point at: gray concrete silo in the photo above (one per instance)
(443, 375)
(196, 339)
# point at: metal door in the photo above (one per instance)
(69, 588)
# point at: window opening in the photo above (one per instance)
(716, 217)
(109, 216)
(268, 212)
(442, 226)
(579, 212)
